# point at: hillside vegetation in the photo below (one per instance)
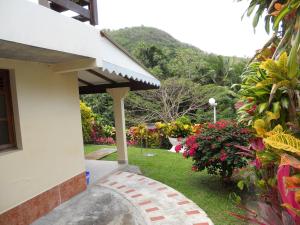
(179, 66)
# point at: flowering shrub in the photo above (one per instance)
(104, 141)
(157, 134)
(179, 128)
(213, 148)
(146, 136)
(102, 134)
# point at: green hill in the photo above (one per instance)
(167, 57)
(131, 37)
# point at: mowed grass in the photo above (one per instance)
(172, 169)
(92, 148)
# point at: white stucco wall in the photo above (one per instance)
(50, 129)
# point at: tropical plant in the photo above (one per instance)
(274, 155)
(87, 119)
(268, 85)
(148, 136)
(214, 148)
(282, 16)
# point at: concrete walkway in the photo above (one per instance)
(125, 198)
(99, 154)
(158, 203)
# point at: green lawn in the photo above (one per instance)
(172, 169)
(92, 148)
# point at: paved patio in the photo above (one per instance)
(125, 198)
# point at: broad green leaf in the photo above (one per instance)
(262, 107)
(260, 127)
(283, 141)
(267, 24)
(293, 65)
(241, 184)
(284, 102)
(276, 107)
(257, 15)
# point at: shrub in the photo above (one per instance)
(87, 120)
(104, 141)
(179, 128)
(213, 148)
(148, 136)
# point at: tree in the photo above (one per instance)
(101, 105)
(176, 98)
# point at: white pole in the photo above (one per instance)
(215, 113)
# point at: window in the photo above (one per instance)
(7, 135)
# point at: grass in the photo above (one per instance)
(205, 190)
(92, 148)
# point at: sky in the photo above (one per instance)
(214, 26)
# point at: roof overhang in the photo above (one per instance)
(119, 69)
(68, 45)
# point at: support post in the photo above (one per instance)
(118, 95)
(215, 113)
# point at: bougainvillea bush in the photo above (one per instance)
(213, 148)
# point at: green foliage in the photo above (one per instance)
(101, 105)
(189, 78)
(284, 17)
(180, 128)
(166, 57)
(225, 99)
(214, 148)
(87, 119)
(184, 97)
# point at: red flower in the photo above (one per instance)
(245, 131)
(252, 110)
(178, 148)
(211, 125)
(185, 154)
(238, 105)
(190, 141)
(223, 156)
(195, 146)
(192, 152)
(194, 168)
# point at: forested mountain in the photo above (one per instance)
(183, 69)
(167, 57)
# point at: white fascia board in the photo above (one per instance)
(124, 64)
(32, 24)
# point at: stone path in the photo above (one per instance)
(158, 203)
(100, 153)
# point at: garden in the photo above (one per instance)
(245, 167)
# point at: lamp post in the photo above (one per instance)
(213, 103)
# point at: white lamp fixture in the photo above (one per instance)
(213, 103)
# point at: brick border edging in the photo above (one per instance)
(38, 206)
(137, 199)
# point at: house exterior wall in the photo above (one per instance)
(48, 130)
